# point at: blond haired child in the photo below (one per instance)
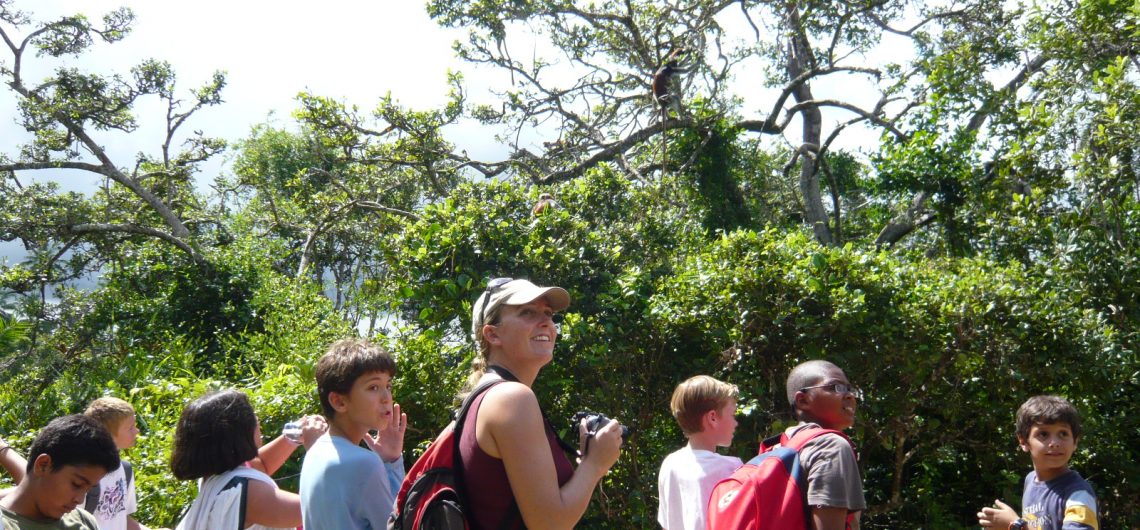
(705, 408)
(113, 501)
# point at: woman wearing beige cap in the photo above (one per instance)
(517, 473)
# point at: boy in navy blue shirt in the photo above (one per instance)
(1055, 497)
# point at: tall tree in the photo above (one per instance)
(68, 111)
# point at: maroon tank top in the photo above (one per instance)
(488, 490)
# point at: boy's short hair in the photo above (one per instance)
(214, 434)
(110, 411)
(805, 374)
(696, 396)
(74, 440)
(344, 363)
(1047, 410)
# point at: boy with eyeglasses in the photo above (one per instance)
(822, 397)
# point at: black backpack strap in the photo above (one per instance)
(243, 483)
(129, 471)
(92, 499)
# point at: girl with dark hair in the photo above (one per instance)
(216, 435)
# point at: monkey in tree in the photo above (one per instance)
(667, 91)
(666, 88)
(545, 203)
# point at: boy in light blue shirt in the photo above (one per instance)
(343, 485)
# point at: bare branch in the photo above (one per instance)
(769, 124)
(101, 228)
(910, 32)
(877, 120)
(613, 150)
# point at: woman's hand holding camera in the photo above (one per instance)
(603, 448)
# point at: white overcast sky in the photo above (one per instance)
(351, 50)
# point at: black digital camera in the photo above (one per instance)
(594, 422)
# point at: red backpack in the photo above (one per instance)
(768, 492)
(433, 495)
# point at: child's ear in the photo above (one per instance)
(802, 400)
(42, 464)
(709, 419)
(337, 400)
(1024, 445)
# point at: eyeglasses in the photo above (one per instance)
(839, 388)
(492, 286)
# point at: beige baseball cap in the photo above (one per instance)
(507, 291)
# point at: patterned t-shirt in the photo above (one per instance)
(1064, 503)
(116, 501)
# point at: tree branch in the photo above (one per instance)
(816, 103)
(1018, 80)
(375, 206)
(905, 223)
(60, 164)
(102, 228)
(613, 150)
(108, 169)
(793, 85)
(910, 32)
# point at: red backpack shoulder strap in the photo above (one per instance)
(773, 441)
(803, 436)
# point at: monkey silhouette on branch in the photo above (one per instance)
(667, 90)
(667, 84)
